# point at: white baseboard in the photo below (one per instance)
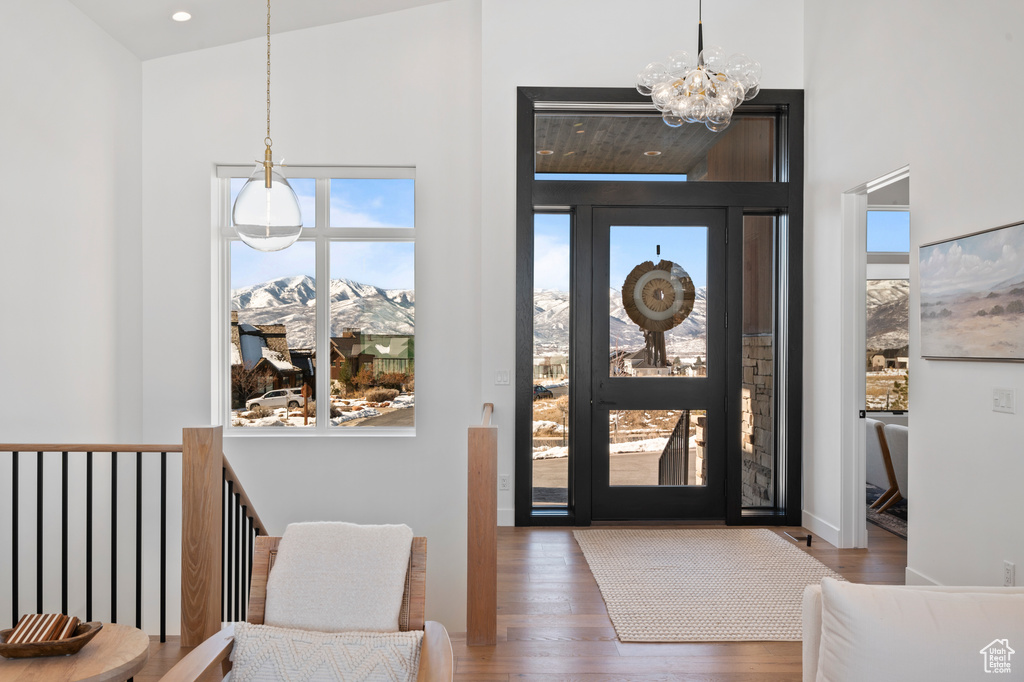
(506, 517)
(913, 577)
(826, 531)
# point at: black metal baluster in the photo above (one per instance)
(223, 546)
(113, 537)
(238, 557)
(231, 545)
(88, 536)
(163, 547)
(39, 532)
(64, 533)
(14, 538)
(248, 554)
(138, 540)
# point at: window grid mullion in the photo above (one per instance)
(323, 306)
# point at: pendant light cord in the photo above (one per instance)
(268, 141)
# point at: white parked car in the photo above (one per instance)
(282, 397)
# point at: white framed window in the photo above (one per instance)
(319, 338)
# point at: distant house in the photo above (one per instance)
(550, 367)
(635, 364)
(888, 358)
(382, 353)
(263, 350)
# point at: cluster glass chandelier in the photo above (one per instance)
(703, 92)
(266, 212)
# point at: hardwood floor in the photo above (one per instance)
(553, 625)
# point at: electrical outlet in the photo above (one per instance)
(1009, 574)
(501, 377)
(504, 482)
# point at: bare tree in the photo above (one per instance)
(246, 383)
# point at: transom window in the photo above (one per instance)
(344, 292)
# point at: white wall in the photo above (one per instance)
(600, 43)
(398, 89)
(890, 84)
(70, 213)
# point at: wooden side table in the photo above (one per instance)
(115, 654)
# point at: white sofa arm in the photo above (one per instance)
(811, 631)
(880, 612)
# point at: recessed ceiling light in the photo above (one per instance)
(546, 152)
(652, 153)
(181, 16)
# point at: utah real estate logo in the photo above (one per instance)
(997, 656)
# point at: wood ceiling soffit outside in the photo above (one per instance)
(616, 144)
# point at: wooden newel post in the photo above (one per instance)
(201, 526)
(482, 578)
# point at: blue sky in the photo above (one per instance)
(889, 231)
(685, 246)
(973, 263)
(630, 246)
(354, 203)
(388, 265)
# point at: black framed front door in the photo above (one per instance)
(568, 464)
(658, 362)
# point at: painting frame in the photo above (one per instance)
(972, 296)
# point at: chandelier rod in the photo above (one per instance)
(700, 33)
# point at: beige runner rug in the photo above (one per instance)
(701, 585)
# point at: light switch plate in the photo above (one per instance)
(501, 377)
(1003, 400)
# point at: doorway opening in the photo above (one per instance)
(636, 397)
(876, 223)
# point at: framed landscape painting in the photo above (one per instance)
(972, 296)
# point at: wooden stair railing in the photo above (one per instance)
(212, 592)
(482, 565)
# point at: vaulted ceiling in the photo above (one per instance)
(145, 27)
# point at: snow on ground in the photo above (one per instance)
(403, 401)
(649, 445)
(357, 414)
(550, 453)
(543, 425)
(353, 409)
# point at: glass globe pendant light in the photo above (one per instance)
(703, 92)
(266, 212)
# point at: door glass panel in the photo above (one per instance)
(551, 319)
(658, 301)
(757, 391)
(656, 447)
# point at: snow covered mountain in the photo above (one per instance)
(551, 320)
(888, 313)
(291, 301)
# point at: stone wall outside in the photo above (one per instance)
(757, 428)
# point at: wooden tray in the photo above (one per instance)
(64, 647)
